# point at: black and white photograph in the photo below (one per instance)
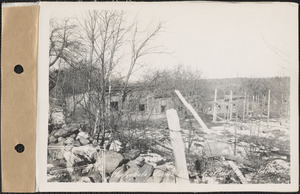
(171, 93)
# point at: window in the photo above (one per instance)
(142, 107)
(163, 108)
(114, 105)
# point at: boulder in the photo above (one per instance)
(150, 180)
(158, 175)
(61, 133)
(76, 143)
(215, 148)
(71, 127)
(57, 118)
(87, 151)
(169, 177)
(276, 171)
(137, 162)
(132, 154)
(115, 146)
(49, 167)
(153, 158)
(85, 180)
(117, 174)
(138, 174)
(84, 141)
(69, 141)
(56, 144)
(130, 174)
(61, 139)
(112, 161)
(60, 154)
(52, 139)
(144, 173)
(73, 136)
(83, 134)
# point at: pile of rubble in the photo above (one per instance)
(74, 156)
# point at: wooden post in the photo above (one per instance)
(247, 106)
(252, 107)
(244, 108)
(178, 147)
(215, 107)
(269, 99)
(96, 122)
(231, 106)
(204, 127)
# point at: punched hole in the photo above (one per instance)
(19, 69)
(20, 148)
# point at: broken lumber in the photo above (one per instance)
(178, 147)
(188, 106)
(237, 171)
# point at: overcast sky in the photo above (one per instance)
(221, 40)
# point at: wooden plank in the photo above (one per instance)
(178, 147)
(192, 110)
(237, 171)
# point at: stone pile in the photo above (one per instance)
(73, 156)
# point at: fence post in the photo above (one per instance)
(215, 107)
(231, 106)
(269, 99)
(244, 108)
(178, 147)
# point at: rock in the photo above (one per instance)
(216, 149)
(52, 139)
(71, 127)
(112, 161)
(60, 154)
(49, 167)
(132, 154)
(73, 136)
(152, 158)
(144, 173)
(158, 175)
(84, 141)
(138, 175)
(61, 139)
(61, 133)
(86, 151)
(276, 167)
(69, 141)
(83, 134)
(117, 174)
(210, 180)
(169, 178)
(56, 144)
(137, 162)
(57, 118)
(76, 143)
(85, 180)
(115, 146)
(150, 180)
(58, 163)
